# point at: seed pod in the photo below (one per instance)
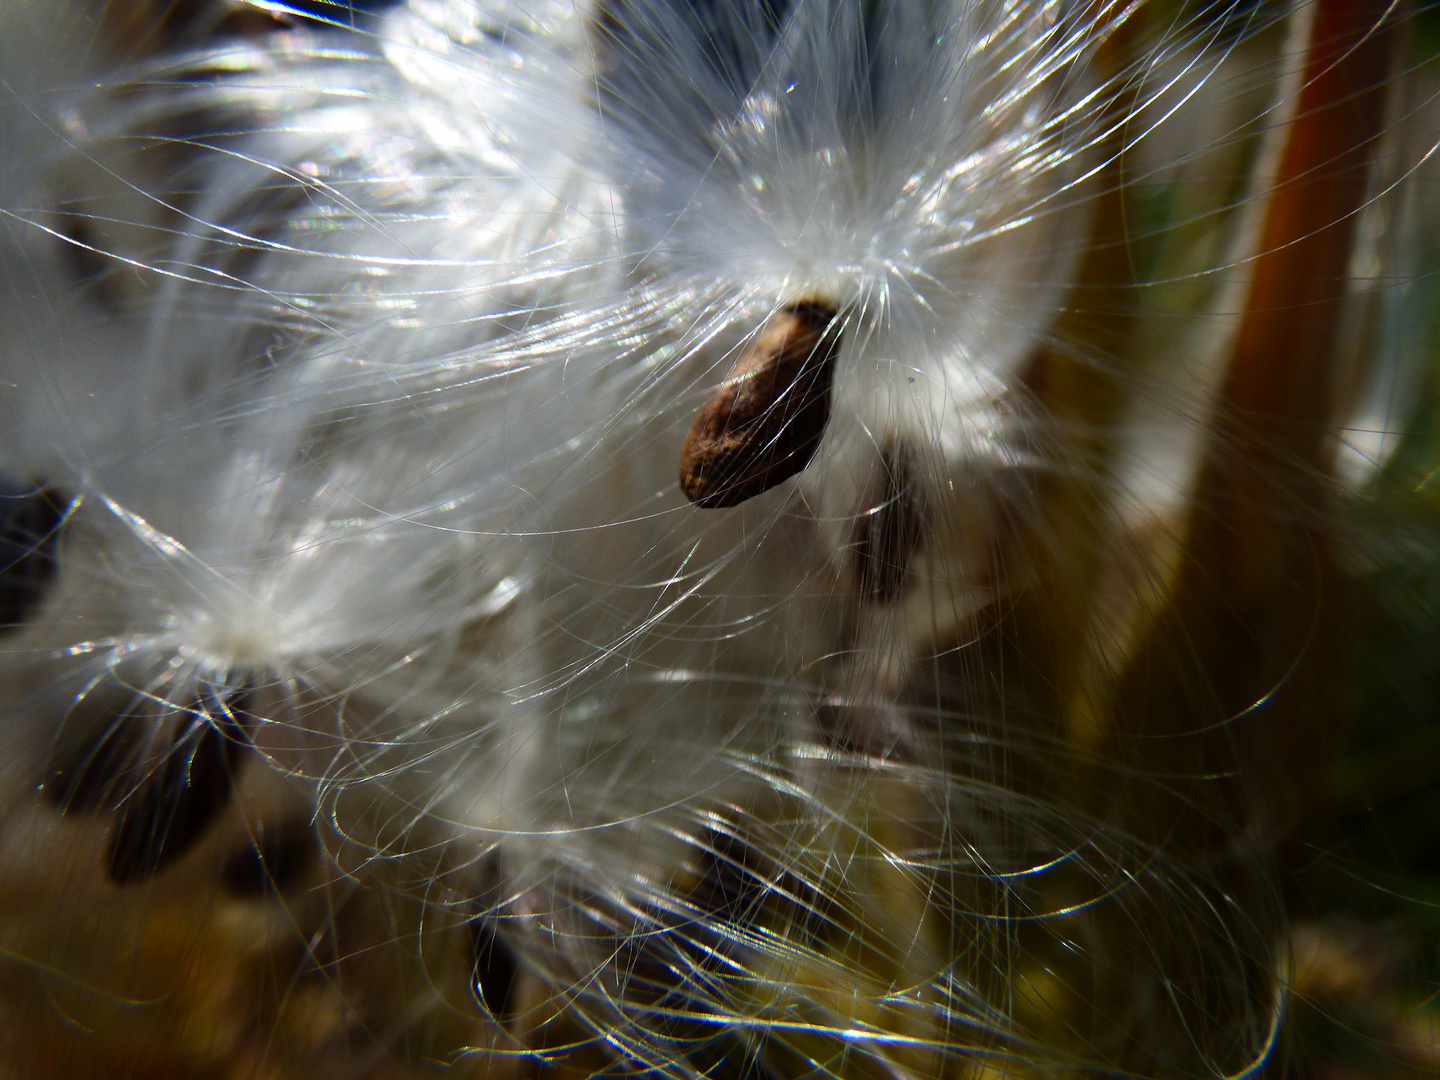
(763, 424)
(889, 529)
(180, 800)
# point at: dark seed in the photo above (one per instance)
(763, 424)
(152, 25)
(496, 970)
(253, 22)
(848, 727)
(888, 530)
(85, 261)
(30, 520)
(181, 798)
(734, 884)
(276, 860)
(98, 772)
(744, 885)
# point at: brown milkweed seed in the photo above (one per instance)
(175, 806)
(888, 530)
(763, 424)
(30, 521)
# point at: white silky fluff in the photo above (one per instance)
(448, 379)
(377, 401)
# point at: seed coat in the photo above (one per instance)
(888, 530)
(30, 520)
(164, 817)
(763, 424)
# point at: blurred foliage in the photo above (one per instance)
(1365, 890)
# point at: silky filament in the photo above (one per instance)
(727, 538)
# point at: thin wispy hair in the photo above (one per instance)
(357, 366)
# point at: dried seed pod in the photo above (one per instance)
(889, 529)
(763, 424)
(30, 520)
(184, 794)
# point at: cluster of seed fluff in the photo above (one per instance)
(578, 447)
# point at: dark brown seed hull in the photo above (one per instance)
(176, 805)
(30, 523)
(496, 971)
(889, 530)
(97, 772)
(273, 862)
(765, 422)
